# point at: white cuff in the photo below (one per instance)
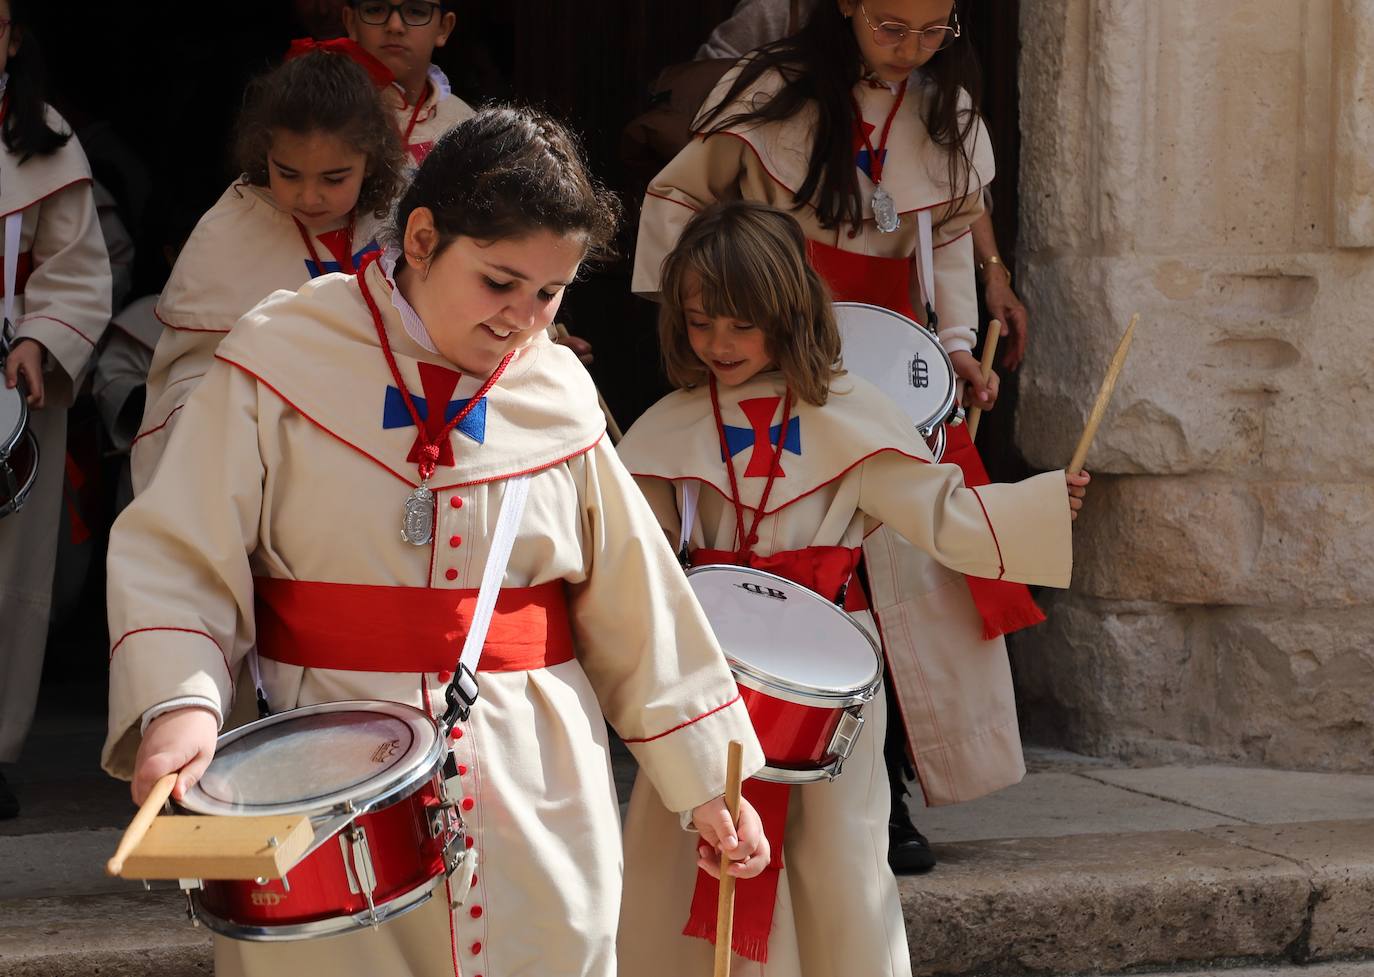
(181, 702)
(957, 338)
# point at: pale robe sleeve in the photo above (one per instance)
(708, 169)
(180, 588)
(956, 287)
(67, 298)
(647, 649)
(1011, 531)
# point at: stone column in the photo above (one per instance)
(1210, 166)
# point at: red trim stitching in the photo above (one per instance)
(128, 634)
(157, 314)
(820, 485)
(1001, 565)
(168, 420)
(659, 196)
(668, 732)
(34, 318)
(436, 489)
(946, 244)
(51, 193)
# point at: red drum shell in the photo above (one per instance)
(404, 857)
(792, 735)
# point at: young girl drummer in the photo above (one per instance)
(321, 165)
(57, 277)
(276, 518)
(862, 126)
(813, 459)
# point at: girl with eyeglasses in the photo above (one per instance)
(59, 278)
(864, 126)
(281, 519)
(321, 165)
(403, 36)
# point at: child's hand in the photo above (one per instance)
(1004, 306)
(745, 842)
(183, 739)
(976, 392)
(1078, 488)
(26, 359)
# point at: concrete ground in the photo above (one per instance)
(1085, 867)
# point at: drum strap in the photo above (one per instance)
(926, 235)
(14, 224)
(462, 691)
(691, 493)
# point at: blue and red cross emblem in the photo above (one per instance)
(862, 158)
(337, 243)
(438, 385)
(762, 436)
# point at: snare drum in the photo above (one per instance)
(904, 360)
(804, 667)
(18, 451)
(371, 777)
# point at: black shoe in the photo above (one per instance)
(908, 852)
(9, 804)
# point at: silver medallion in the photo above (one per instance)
(885, 211)
(418, 526)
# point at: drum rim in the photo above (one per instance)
(401, 782)
(12, 438)
(327, 926)
(21, 492)
(759, 680)
(951, 396)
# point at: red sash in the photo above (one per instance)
(1004, 606)
(824, 569)
(22, 270)
(360, 628)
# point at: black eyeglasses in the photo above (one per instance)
(414, 13)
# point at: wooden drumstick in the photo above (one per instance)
(989, 351)
(612, 428)
(142, 821)
(725, 906)
(1104, 396)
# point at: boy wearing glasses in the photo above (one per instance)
(403, 36)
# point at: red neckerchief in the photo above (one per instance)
(745, 540)
(429, 449)
(875, 157)
(345, 259)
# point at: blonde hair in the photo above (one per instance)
(750, 260)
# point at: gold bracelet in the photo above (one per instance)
(993, 260)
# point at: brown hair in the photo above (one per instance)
(507, 172)
(750, 260)
(321, 92)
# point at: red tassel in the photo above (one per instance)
(380, 74)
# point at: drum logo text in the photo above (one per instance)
(386, 751)
(263, 898)
(920, 373)
(763, 591)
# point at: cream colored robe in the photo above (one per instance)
(860, 463)
(955, 689)
(767, 163)
(282, 471)
(242, 250)
(440, 110)
(65, 305)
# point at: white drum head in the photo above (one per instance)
(13, 416)
(313, 759)
(783, 635)
(901, 358)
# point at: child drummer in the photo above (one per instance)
(794, 462)
(286, 485)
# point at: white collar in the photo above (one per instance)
(410, 319)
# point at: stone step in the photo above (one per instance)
(1088, 904)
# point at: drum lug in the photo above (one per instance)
(847, 732)
(187, 887)
(357, 859)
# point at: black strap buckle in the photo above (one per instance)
(460, 694)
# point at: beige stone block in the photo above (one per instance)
(1142, 681)
(1353, 163)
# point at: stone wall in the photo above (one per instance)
(1210, 166)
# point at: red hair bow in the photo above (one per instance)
(379, 73)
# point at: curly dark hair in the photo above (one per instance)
(506, 172)
(322, 92)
